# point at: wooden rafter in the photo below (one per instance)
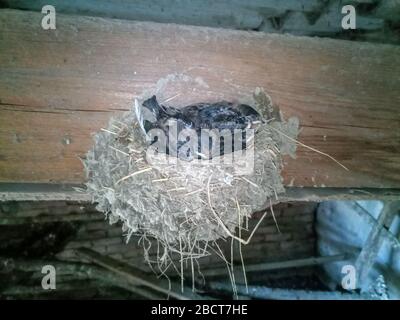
(268, 266)
(58, 87)
(138, 277)
(372, 245)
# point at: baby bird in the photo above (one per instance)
(165, 125)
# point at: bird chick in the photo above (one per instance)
(201, 130)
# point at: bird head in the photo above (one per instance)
(253, 118)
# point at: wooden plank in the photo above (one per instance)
(139, 277)
(385, 233)
(262, 292)
(51, 218)
(268, 266)
(78, 271)
(58, 87)
(369, 253)
(43, 192)
(234, 14)
(57, 192)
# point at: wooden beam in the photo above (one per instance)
(223, 14)
(59, 86)
(79, 271)
(52, 192)
(372, 245)
(261, 292)
(51, 218)
(42, 192)
(138, 277)
(386, 234)
(268, 266)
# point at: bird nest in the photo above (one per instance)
(185, 205)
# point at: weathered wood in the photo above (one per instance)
(268, 266)
(137, 276)
(32, 292)
(51, 192)
(223, 14)
(51, 218)
(78, 271)
(370, 250)
(386, 234)
(261, 292)
(58, 87)
(42, 192)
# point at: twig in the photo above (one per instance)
(119, 151)
(180, 249)
(233, 270)
(273, 215)
(222, 256)
(308, 147)
(134, 174)
(245, 242)
(170, 98)
(134, 150)
(160, 180)
(176, 189)
(250, 182)
(240, 247)
(105, 130)
(193, 192)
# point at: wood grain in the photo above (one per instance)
(57, 87)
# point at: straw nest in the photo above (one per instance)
(184, 205)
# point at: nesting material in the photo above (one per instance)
(180, 205)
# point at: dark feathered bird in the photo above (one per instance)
(196, 121)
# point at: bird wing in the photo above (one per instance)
(217, 116)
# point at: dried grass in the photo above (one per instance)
(183, 207)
